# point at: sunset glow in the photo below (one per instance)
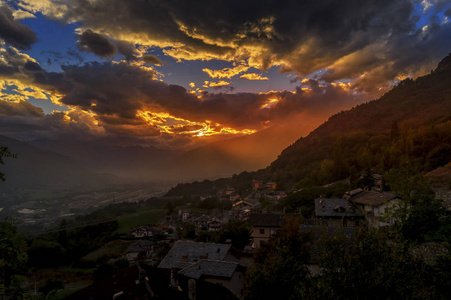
(165, 77)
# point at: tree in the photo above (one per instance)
(367, 268)
(51, 286)
(280, 266)
(237, 231)
(13, 255)
(4, 152)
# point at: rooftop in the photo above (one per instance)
(335, 207)
(266, 220)
(211, 268)
(184, 253)
(373, 198)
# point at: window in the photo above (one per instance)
(262, 231)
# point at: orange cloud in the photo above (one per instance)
(227, 72)
(215, 84)
(269, 103)
(253, 76)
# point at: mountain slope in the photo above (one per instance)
(135, 162)
(36, 168)
(411, 103)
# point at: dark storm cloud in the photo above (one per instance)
(98, 44)
(21, 108)
(75, 54)
(330, 29)
(13, 32)
(151, 59)
(32, 66)
(107, 99)
(117, 92)
(127, 50)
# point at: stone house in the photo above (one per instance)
(338, 212)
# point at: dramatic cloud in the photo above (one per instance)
(227, 72)
(253, 76)
(119, 99)
(341, 53)
(215, 84)
(151, 59)
(96, 43)
(14, 33)
(300, 36)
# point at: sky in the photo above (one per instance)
(179, 74)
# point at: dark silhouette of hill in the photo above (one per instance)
(35, 168)
(133, 162)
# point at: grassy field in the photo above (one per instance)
(113, 249)
(144, 217)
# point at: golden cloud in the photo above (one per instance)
(227, 72)
(253, 76)
(178, 126)
(215, 84)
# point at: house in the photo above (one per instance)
(264, 226)
(241, 205)
(271, 185)
(229, 190)
(186, 253)
(227, 274)
(144, 282)
(202, 221)
(141, 231)
(233, 197)
(375, 205)
(139, 249)
(338, 212)
(256, 184)
(184, 214)
(214, 225)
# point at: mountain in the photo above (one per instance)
(133, 162)
(35, 168)
(235, 155)
(409, 127)
(419, 110)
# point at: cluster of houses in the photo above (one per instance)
(193, 270)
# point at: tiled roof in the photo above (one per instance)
(202, 218)
(335, 207)
(184, 253)
(211, 268)
(139, 246)
(373, 198)
(266, 220)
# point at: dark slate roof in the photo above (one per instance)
(266, 220)
(139, 246)
(184, 253)
(210, 268)
(335, 208)
(372, 198)
(202, 218)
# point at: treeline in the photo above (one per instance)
(241, 182)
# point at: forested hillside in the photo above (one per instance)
(411, 123)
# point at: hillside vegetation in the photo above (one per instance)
(408, 125)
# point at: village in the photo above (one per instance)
(198, 268)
